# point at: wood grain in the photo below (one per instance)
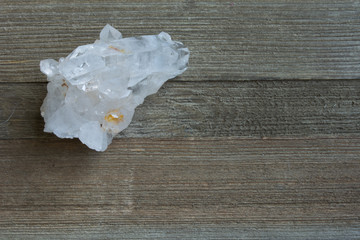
(210, 109)
(258, 139)
(228, 40)
(167, 189)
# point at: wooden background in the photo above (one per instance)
(259, 138)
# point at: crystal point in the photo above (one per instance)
(109, 34)
(93, 92)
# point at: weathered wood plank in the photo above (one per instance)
(239, 40)
(210, 156)
(195, 232)
(197, 188)
(210, 109)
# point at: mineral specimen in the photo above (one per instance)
(93, 92)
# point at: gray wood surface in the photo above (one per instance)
(228, 40)
(212, 109)
(175, 188)
(258, 139)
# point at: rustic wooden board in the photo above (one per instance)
(210, 109)
(168, 189)
(259, 138)
(228, 40)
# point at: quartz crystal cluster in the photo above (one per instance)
(93, 92)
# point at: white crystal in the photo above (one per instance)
(93, 92)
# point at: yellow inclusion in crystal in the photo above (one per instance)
(116, 49)
(114, 116)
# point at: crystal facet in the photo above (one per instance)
(93, 92)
